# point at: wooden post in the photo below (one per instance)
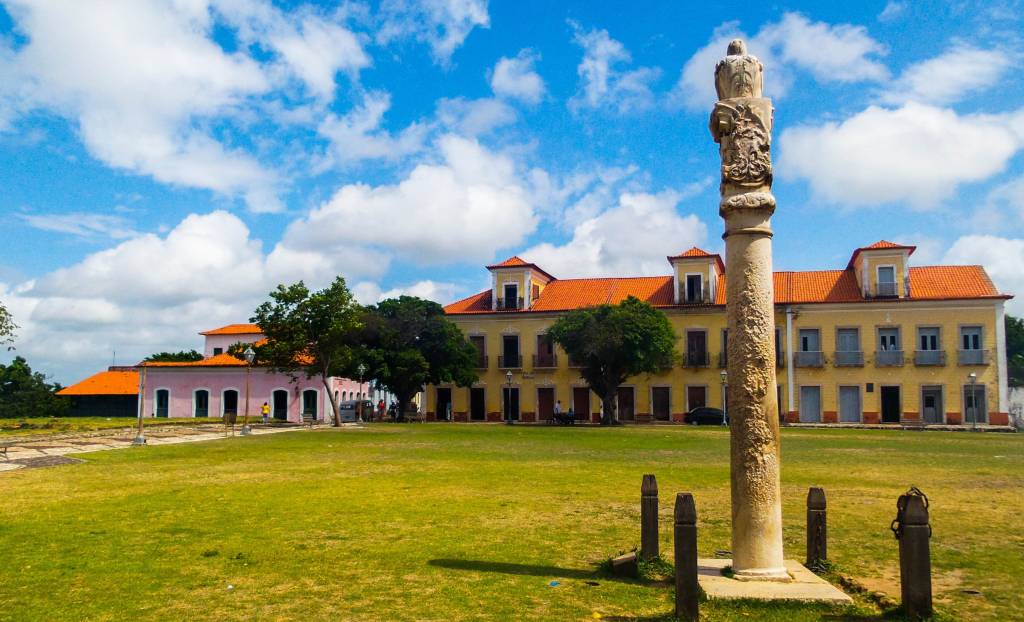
(685, 534)
(817, 542)
(914, 533)
(649, 518)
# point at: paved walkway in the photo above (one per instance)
(40, 450)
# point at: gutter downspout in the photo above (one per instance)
(1004, 391)
(789, 358)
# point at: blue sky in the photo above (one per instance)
(164, 164)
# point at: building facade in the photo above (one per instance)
(879, 341)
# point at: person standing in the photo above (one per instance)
(265, 411)
(558, 411)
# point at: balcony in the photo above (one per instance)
(510, 304)
(849, 358)
(930, 357)
(780, 359)
(973, 357)
(703, 298)
(888, 358)
(510, 361)
(696, 359)
(545, 361)
(723, 359)
(809, 359)
(481, 361)
(886, 290)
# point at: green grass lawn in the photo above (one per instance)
(55, 425)
(464, 522)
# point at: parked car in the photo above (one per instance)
(705, 415)
(349, 410)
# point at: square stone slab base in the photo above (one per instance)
(805, 586)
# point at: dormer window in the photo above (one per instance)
(694, 288)
(887, 281)
(510, 300)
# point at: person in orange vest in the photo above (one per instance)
(265, 411)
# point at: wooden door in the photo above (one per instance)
(810, 404)
(477, 404)
(696, 397)
(660, 402)
(545, 403)
(849, 404)
(891, 408)
(625, 406)
(581, 403)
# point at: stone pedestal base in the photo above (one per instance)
(802, 585)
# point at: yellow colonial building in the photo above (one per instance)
(879, 341)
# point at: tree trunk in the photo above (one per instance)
(403, 403)
(334, 403)
(608, 416)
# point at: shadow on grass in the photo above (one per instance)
(535, 570)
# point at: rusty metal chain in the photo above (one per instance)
(896, 526)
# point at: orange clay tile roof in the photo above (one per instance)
(879, 245)
(234, 329)
(516, 261)
(824, 286)
(220, 360)
(106, 383)
(699, 252)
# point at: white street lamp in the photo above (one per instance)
(250, 356)
(508, 398)
(725, 397)
(361, 370)
(972, 378)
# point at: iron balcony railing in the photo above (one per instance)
(848, 358)
(973, 357)
(510, 304)
(886, 290)
(929, 357)
(888, 358)
(481, 361)
(510, 361)
(810, 359)
(701, 298)
(697, 359)
(545, 361)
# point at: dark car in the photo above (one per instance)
(705, 415)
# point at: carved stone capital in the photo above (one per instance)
(747, 201)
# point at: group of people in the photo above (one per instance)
(568, 418)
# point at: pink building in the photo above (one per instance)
(217, 384)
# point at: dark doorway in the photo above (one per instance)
(545, 403)
(477, 404)
(890, 404)
(309, 405)
(510, 351)
(280, 404)
(231, 401)
(163, 400)
(581, 403)
(696, 397)
(626, 411)
(202, 403)
(510, 406)
(661, 403)
(444, 404)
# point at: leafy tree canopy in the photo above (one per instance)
(613, 342)
(1015, 350)
(7, 327)
(25, 393)
(408, 342)
(311, 333)
(174, 357)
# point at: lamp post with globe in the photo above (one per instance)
(250, 356)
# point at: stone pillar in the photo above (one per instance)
(649, 518)
(741, 124)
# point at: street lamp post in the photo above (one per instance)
(725, 397)
(140, 439)
(972, 378)
(250, 356)
(360, 370)
(508, 398)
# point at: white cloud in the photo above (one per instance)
(603, 80)
(138, 77)
(442, 24)
(367, 292)
(829, 52)
(947, 78)
(892, 11)
(516, 78)
(358, 135)
(916, 154)
(630, 238)
(474, 117)
(463, 208)
(82, 224)
(1002, 258)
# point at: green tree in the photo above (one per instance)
(175, 357)
(1015, 350)
(7, 327)
(408, 343)
(613, 342)
(310, 333)
(24, 393)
